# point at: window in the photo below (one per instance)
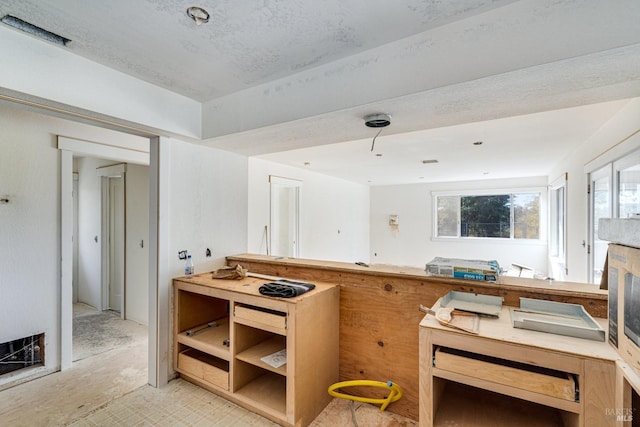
(614, 193)
(501, 215)
(557, 227)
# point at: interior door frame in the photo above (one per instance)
(107, 173)
(69, 147)
(277, 181)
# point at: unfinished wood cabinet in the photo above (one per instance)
(505, 376)
(224, 328)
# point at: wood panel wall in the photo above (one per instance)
(379, 314)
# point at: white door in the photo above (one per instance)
(116, 243)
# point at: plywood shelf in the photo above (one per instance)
(210, 340)
(268, 391)
(254, 354)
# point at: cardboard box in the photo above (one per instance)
(488, 271)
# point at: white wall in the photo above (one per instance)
(43, 70)
(334, 213)
(606, 145)
(208, 205)
(30, 225)
(205, 194)
(413, 244)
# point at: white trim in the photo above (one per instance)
(113, 171)
(543, 219)
(562, 260)
(160, 286)
(273, 179)
(490, 192)
(621, 149)
(103, 151)
(66, 259)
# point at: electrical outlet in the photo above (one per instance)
(182, 254)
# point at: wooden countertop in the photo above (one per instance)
(504, 282)
(249, 286)
(501, 330)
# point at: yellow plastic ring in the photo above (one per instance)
(395, 392)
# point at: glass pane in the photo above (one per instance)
(526, 216)
(601, 209)
(485, 216)
(629, 192)
(447, 216)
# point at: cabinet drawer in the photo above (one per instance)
(276, 319)
(204, 367)
(548, 382)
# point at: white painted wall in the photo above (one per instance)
(204, 191)
(137, 256)
(30, 225)
(334, 213)
(605, 146)
(46, 71)
(413, 244)
(208, 205)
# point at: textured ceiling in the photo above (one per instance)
(290, 81)
(245, 42)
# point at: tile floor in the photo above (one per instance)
(180, 403)
(109, 389)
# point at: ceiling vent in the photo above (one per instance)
(25, 26)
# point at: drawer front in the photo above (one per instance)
(547, 382)
(269, 318)
(204, 367)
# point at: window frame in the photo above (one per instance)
(542, 220)
(558, 213)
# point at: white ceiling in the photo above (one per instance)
(290, 81)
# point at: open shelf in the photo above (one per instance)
(210, 340)
(253, 354)
(268, 390)
(466, 406)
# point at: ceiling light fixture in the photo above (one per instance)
(379, 120)
(27, 27)
(198, 14)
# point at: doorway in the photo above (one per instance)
(113, 224)
(285, 216)
(111, 310)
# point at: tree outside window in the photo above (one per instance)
(501, 216)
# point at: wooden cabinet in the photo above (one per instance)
(505, 376)
(224, 328)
